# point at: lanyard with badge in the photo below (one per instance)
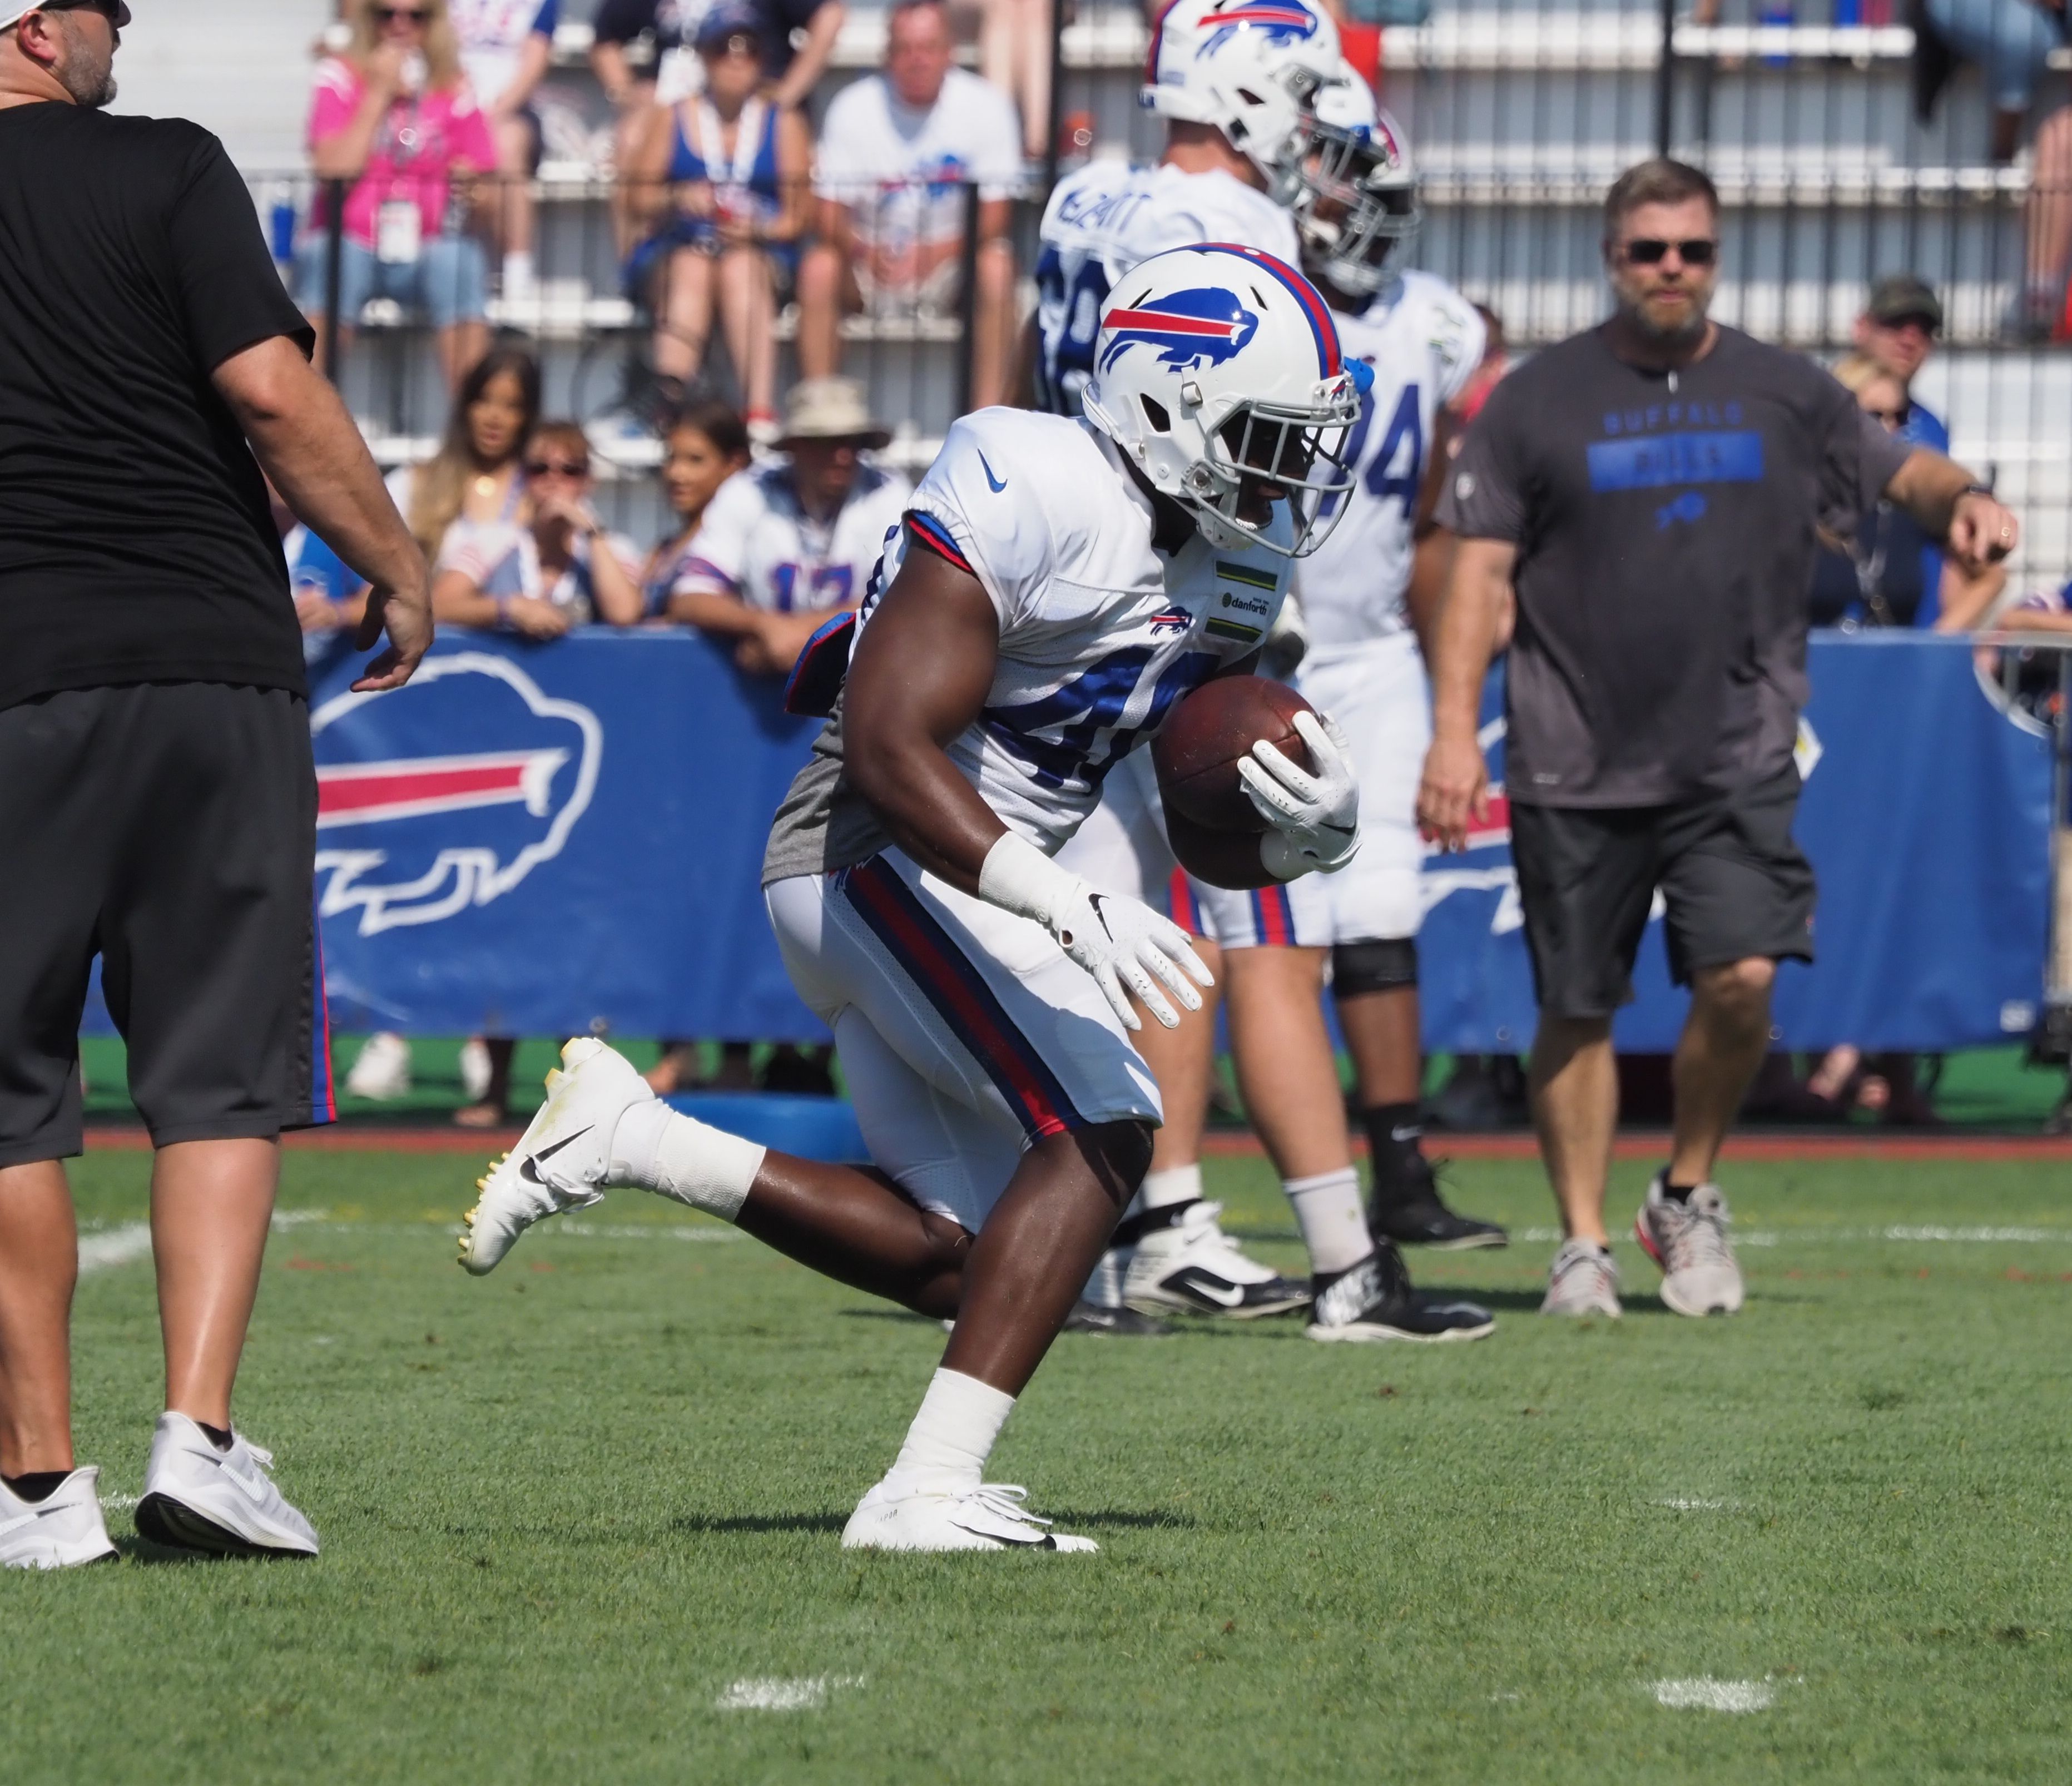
(399, 223)
(734, 197)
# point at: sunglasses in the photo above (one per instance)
(1892, 418)
(556, 468)
(1647, 251)
(390, 15)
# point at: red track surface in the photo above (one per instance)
(390, 1138)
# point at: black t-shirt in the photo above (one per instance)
(673, 23)
(1665, 536)
(135, 544)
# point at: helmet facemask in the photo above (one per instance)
(1301, 451)
(1355, 206)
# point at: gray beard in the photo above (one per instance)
(92, 87)
(1677, 337)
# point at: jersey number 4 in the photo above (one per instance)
(1405, 427)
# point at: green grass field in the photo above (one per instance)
(573, 1510)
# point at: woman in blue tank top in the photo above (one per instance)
(726, 187)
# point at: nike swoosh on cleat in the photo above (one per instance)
(254, 1492)
(998, 484)
(528, 1167)
(1229, 1295)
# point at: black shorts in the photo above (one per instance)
(170, 828)
(1735, 885)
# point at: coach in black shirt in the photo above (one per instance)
(1649, 490)
(158, 803)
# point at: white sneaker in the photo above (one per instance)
(1689, 1240)
(382, 1072)
(475, 1070)
(908, 1514)
(1584, 1281)
(198, 1498)
(59, 1532)
(1194, 1268)
(562, 1160)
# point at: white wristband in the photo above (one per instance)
(1019, 877)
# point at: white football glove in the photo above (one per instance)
(1313, 820)
(1121, 942)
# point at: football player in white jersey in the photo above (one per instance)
(785, 544)
(1234, 80)
(1049, 598)
(1364, 595)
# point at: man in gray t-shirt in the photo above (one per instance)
(1649, 491)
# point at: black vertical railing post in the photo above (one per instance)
(1053, 149)
(335, 191)
(1665, 81)
(968, 361)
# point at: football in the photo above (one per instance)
(1210, 733)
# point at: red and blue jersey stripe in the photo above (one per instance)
(931, 957)
(932, 534)
(1321, 328)
(1182, 907)
(1272, 919)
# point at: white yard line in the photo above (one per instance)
(1683, 1506)
(778, 1693)
(1706, 1694)
(113, 1247)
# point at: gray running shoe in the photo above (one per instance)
(1689, 1241)
(1584, 1281)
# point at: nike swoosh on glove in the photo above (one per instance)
(1313, 820)
(1121, 942)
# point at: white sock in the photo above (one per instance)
(1175, 1185)
(517, 270)
(660, 1150)
(1334, 1225)
(953, 1434)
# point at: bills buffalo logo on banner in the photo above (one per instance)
(1190, 328)
(444, 794)
(1279, 21)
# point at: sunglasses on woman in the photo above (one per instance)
(391, 16)
(1647, 251)
(556, 468)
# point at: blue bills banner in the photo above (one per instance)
(1926, 814)
(553, 839)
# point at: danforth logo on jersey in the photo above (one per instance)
(411, 830)
(1191, 328)
(1279, 22)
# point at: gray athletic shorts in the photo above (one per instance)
(1735, 885)
(170, 829)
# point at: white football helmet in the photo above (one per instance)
(1218, 368)
(1250, 68)
(1356, 202)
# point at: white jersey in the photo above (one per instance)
(1424, 340)
(758, 544)
(1101, 633)
(492, 35)
(1107, 218)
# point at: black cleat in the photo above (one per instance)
(1091, 1317)
(1408, 1212)
(1375, 1301)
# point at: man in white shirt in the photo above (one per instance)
(785, 546)
(507, 46)
(897, 152)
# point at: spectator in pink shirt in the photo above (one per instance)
(395, 115)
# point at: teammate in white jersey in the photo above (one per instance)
(1424, 341)
(1052, 594)
(1234, 80)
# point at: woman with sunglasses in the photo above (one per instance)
(395, 115)
(727, 183)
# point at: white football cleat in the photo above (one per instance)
(60, 1532)
(198, 1498)
(1192, 1267)
(562, 1160)
(911, 1514)
(382, 1072)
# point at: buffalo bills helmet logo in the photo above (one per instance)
(444, 794)
(1190, 328)
(1281, 21)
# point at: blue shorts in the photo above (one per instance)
(448, 281)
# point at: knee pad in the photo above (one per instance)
(1385, 966)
